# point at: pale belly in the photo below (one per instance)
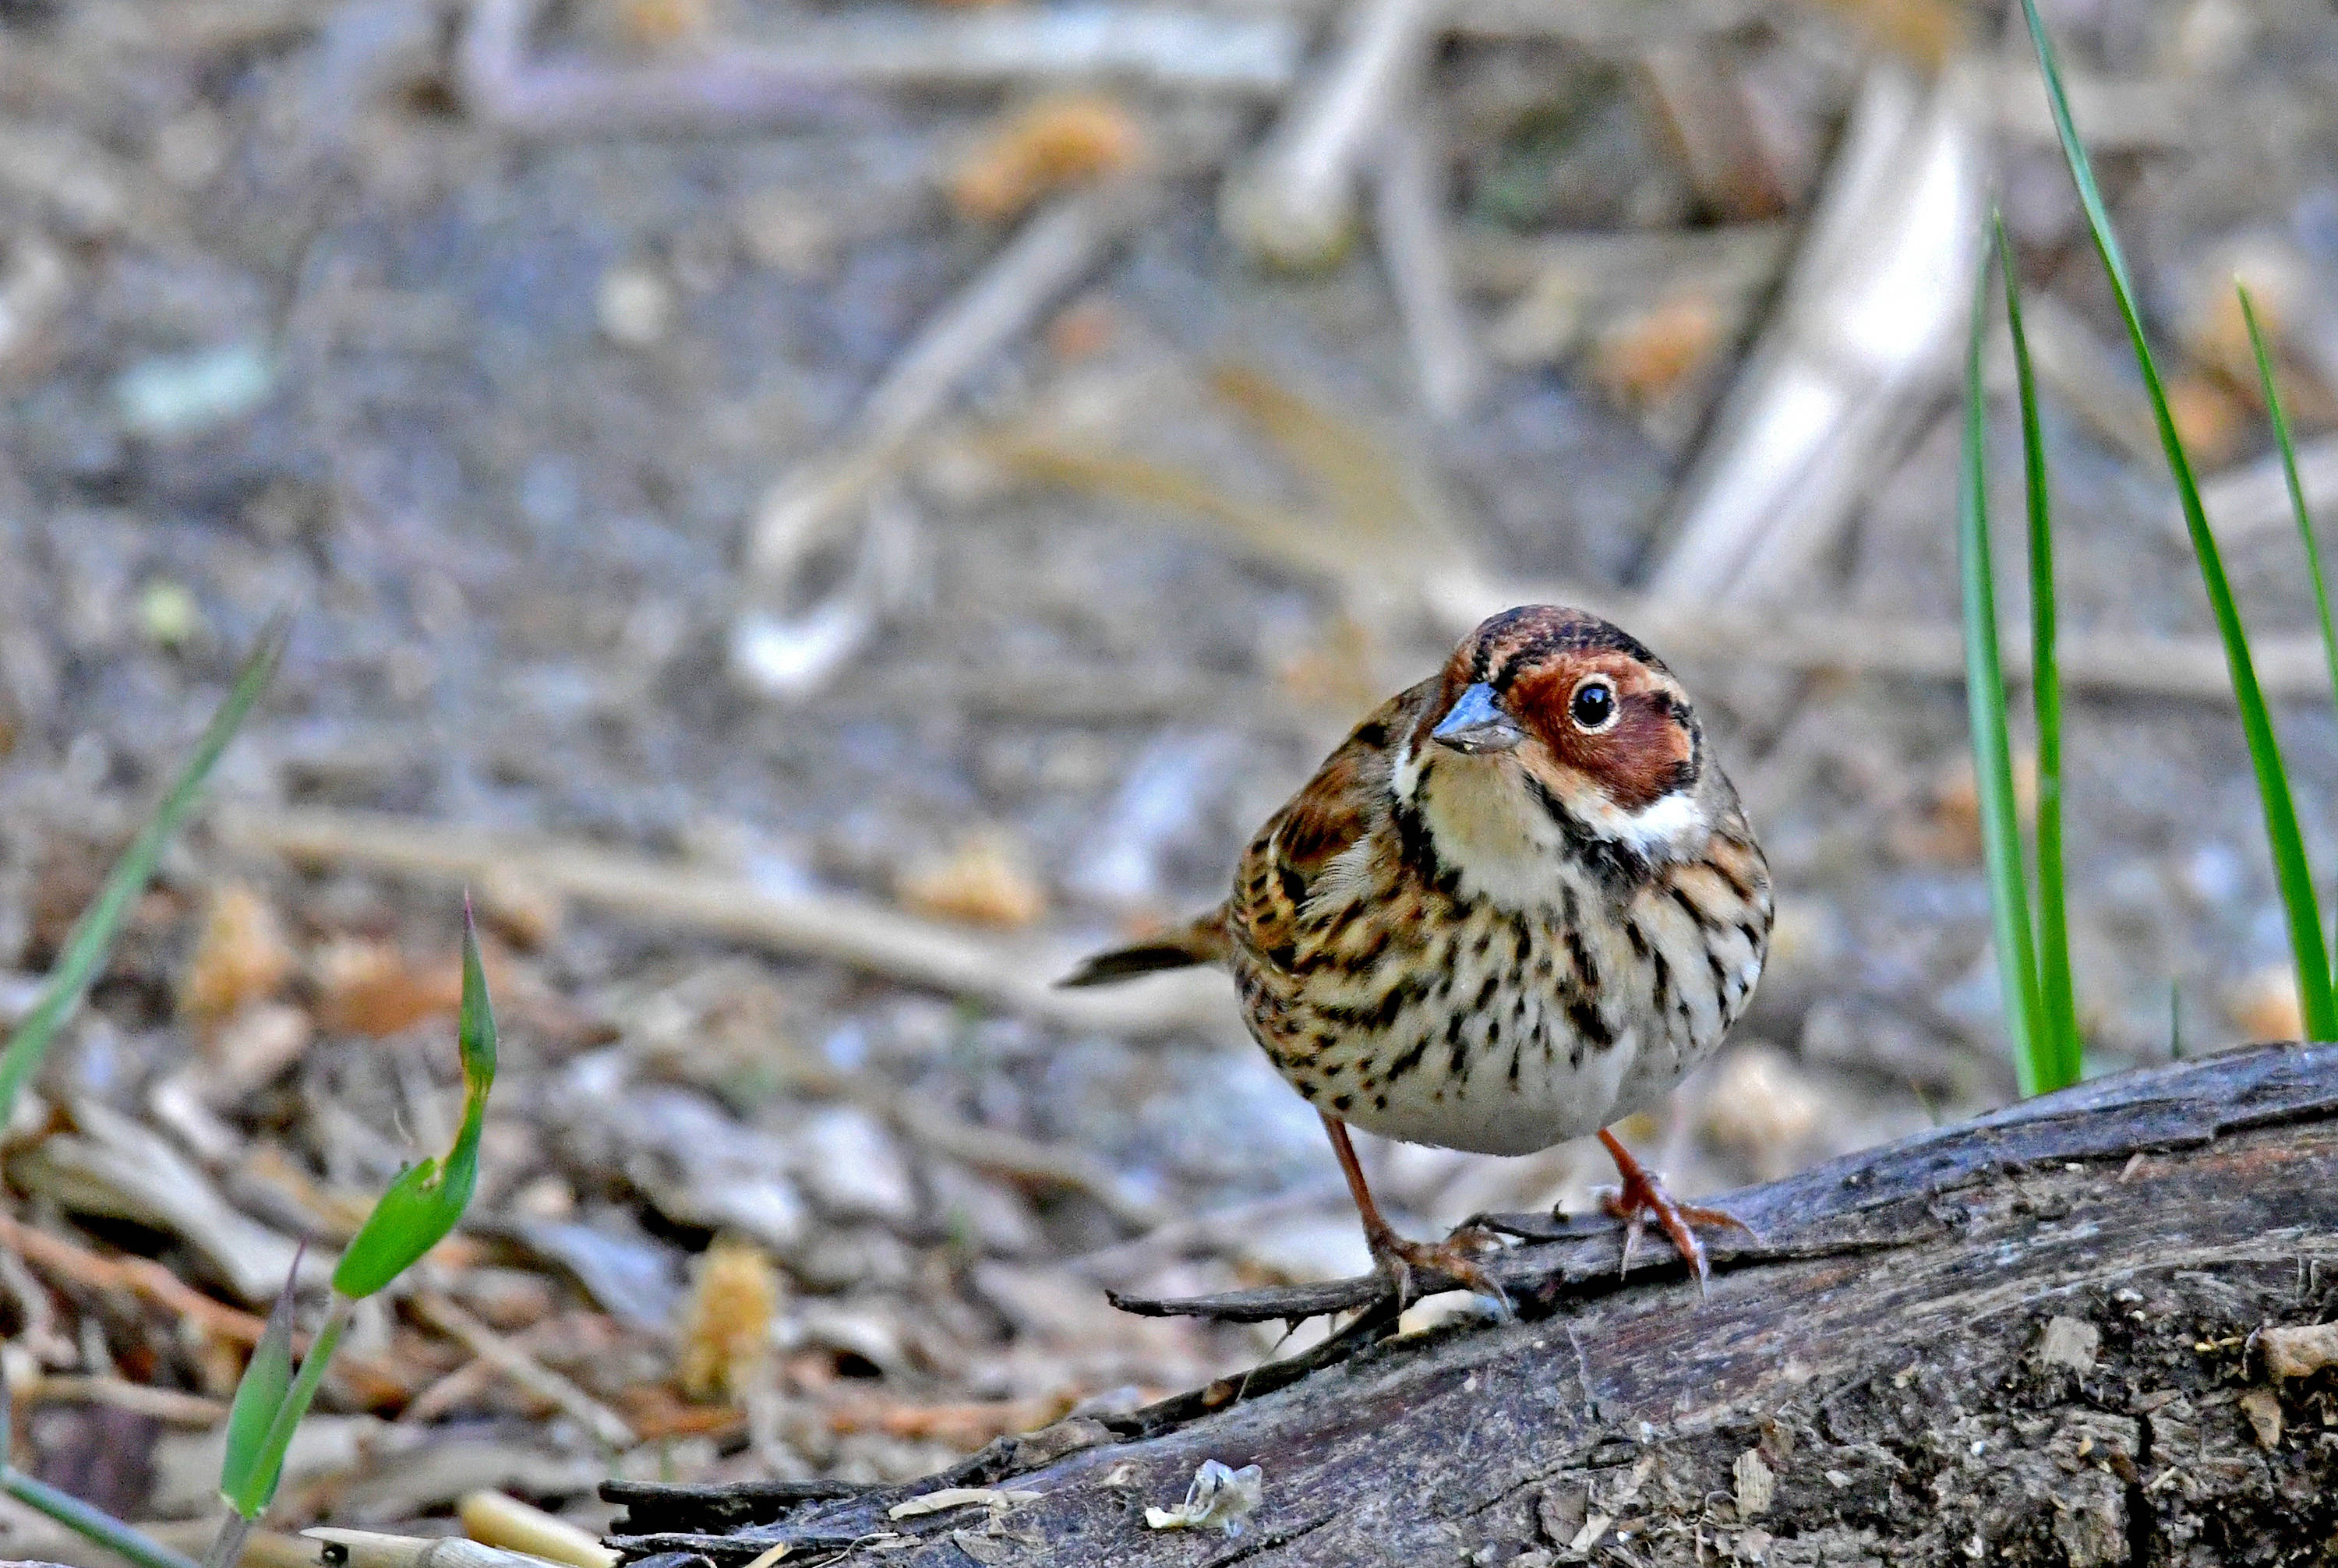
(1505, 1036)
(1489, 1113)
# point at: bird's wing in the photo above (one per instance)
(1288, 862)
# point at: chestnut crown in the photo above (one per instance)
(1575, 701)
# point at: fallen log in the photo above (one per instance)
(2082, 1330)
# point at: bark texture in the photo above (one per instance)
(2048, 1337)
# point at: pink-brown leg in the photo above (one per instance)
(1397, 1257)
(1642, 1195)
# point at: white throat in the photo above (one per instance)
(1489, 826)
(1486, 826)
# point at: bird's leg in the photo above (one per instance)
(1397, 1257)
(1642, 1195)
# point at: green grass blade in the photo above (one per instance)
(2056, 995)
(2292, 872)
(259, 1394)
(2296, 491)
(423, 1204)
(2000, 829)
(267, 1466)
(93, 935)
(89, 1523)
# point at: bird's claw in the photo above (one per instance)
(1455, 1257)
(1642, 1196)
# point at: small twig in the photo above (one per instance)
(140, 1275)
(606, 1425)
(1408, 212)
(1294, 204)
(464, 1384)
(1618, 25)
(827, 67)
(1051, 252)
(833, 927)
(503, 86)
(169, 1406)
(367, 1549)
(1687, 81)
(1861, 345)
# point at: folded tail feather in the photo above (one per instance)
(1202, 942)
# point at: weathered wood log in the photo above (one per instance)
(2072, 1332)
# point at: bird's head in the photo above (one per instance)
(1563, 726)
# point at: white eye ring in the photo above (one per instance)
(1605, 709)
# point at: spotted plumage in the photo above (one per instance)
(1520, 902)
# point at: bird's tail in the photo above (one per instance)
(1204, 941)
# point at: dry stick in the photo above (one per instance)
(500, 85)
(826, 68)
(833, 927)
(1294, 204)
(1051, 253)
(464, 1384)
(139, 1276)
(168, 1406)
(606, 1425)
(1408, 213)
(1862, 345)
(1602, 24)
(1687, 83)
(144, 1277)
(369, 1549)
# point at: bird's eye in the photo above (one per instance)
(1593, 708)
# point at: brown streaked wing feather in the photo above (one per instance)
(1338, 807)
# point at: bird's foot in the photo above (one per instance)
(1642, 1197)
(1457, 1257)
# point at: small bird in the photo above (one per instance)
(1519, 903)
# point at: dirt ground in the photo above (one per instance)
(295, 314)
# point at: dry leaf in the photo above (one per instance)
(985, 881)
(1046, 145)
(963, 1427)
(254, 1046)
(2299, 1352)
(241, 957)
(2262, 1407)
(1218, 1495)
(2263, 1005)
(959, 1497)
(726, 1321)
(368, 987)
(1645, 358)
(2209, 418)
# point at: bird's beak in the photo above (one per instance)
(1477, 725)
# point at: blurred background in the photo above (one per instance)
(820, 514)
